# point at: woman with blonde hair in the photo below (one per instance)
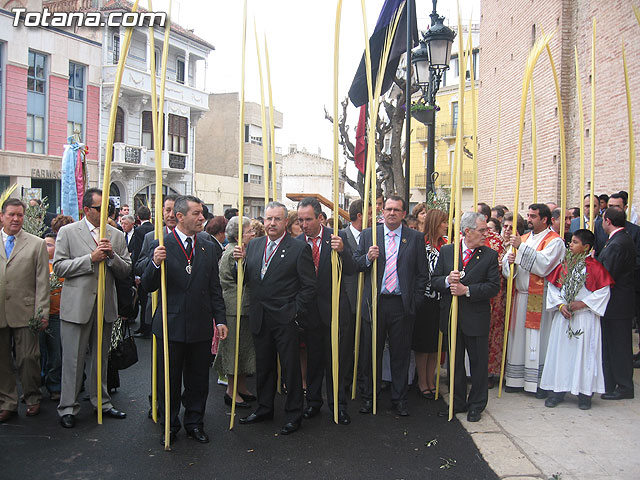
(425, 331)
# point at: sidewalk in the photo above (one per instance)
(521, 438)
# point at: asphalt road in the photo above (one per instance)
(373, 447)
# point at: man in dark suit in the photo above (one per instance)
(618, 257)
(475, 280)
(194, 298)
(318, 322)
(280, 273)
(618, 200)
(350, 282)
(588, 202)
(144, 214)
(402, 278)
(128, 223)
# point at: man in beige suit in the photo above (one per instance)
(24, 294)
(79, 251)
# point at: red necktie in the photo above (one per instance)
(467, 256)
(315, 252)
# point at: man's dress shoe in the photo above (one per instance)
(6, 415)
(173, 438)
(254, 418)
(311, 412)
(290, 427)
(33, 410)
(68, 421)
(113, 413)
(509, 389)
(445, 413)
(542, 394)
(401, 409)
(343, 417)
(198, 435)
(617, 395)
(367, 406)
(474, 415)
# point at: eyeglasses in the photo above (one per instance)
(97, 208)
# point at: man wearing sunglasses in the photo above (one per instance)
(79, 252)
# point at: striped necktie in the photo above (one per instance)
(391, 267)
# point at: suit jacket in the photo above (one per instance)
(320, 309)
(72, 261)
(618, 257)
(24, 281)
(138, 239)
(217, 247)
(289, 284)
(130, 243)
(601, 239)
(350, 281)
(411, 264)
(193, 300)
(482, 276)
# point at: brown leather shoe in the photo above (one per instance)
(33, 410)
(6, 415)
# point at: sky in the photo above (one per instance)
(300, 36)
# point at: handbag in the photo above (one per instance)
(126, 353)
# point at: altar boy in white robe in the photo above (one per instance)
(578, 294)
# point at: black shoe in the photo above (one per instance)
(367, 406)
(542, 394)
(311, 412)
(290, 427)
(227, 401)
(474, 415)
(173, 438)
(445, 413)
(491, 383)
(584, 402)
(68, 421)
(554, 400)
(343, 417)
(617, 395)
(401, 409)
(247, 397)
(198, 435)
(254, 418)
(513, 389)
(113, 413)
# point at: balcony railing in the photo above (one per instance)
(443, 180)
(447, 130)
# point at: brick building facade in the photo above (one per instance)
(507, 32)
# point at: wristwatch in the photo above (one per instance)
(468, 294)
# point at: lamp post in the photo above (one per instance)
(430, 60)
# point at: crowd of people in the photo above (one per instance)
(574, 300)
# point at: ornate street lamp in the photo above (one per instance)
(430, 59)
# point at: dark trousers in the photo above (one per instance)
(478, 350)
(51, 355)
(188, 364)
(392, 322)
(617, 354)
(274, 339)
(145, 316)
(319, 364)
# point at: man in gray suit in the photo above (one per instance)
(79, 251)
(24, 293)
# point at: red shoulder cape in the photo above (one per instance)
(597, 276)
